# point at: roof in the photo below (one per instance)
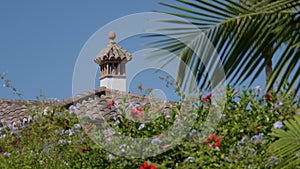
(12, 110)
(112, 51)
(92, 104)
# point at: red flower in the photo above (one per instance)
(85, 149)
(294, 112)
(206, 98)
(206, 140)
(112, 103)
(236, 91)
(268, 97)
(147, 166)
(165, 147)
(138, 113)
(217, 144)
(211, 136)
(258, 127)
(213, 140)
(217, 139)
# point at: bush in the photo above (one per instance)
(241, 139)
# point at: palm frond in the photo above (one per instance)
(240, 34)
(287, 147)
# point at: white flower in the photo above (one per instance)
(116, 123)
(190, 159)
(141, 126)
(298, 154)
(53, 99)
(6, 154)
(36, 117)
(62, 141)
(122, 147)
(110, 157)
(108, 132)
(71, 133)
(14, 130)
(76, 126)
(29, 119)
(18, 122)
(24, 120)
(72, 109)
(108, 138)
(2, 121)
(167, 114)
(45, 111)
(156, 141)
(3, 136)
(257, 138)
(278, 125)
(137, 105)
(8, 126)
(193, 132)
(222, 116)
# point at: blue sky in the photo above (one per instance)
(41, 40)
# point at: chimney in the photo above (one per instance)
(112, 61)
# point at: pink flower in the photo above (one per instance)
(210, 146)
(236, 91)
(258, 127)
(165, 147)
(206, 140)
(89, 128)
(85, 149)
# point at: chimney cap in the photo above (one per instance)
(112, 36)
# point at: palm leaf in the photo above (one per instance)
(287, 147)
(240, 33)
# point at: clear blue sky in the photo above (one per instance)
(41, 40)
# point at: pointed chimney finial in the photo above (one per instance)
(111, 36)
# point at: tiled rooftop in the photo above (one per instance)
(13, 110)
(91, 104)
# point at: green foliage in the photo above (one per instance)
(55, 139)
(245, 35)
(287, 147)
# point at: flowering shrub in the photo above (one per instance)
(7, 84)
(241, 139)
